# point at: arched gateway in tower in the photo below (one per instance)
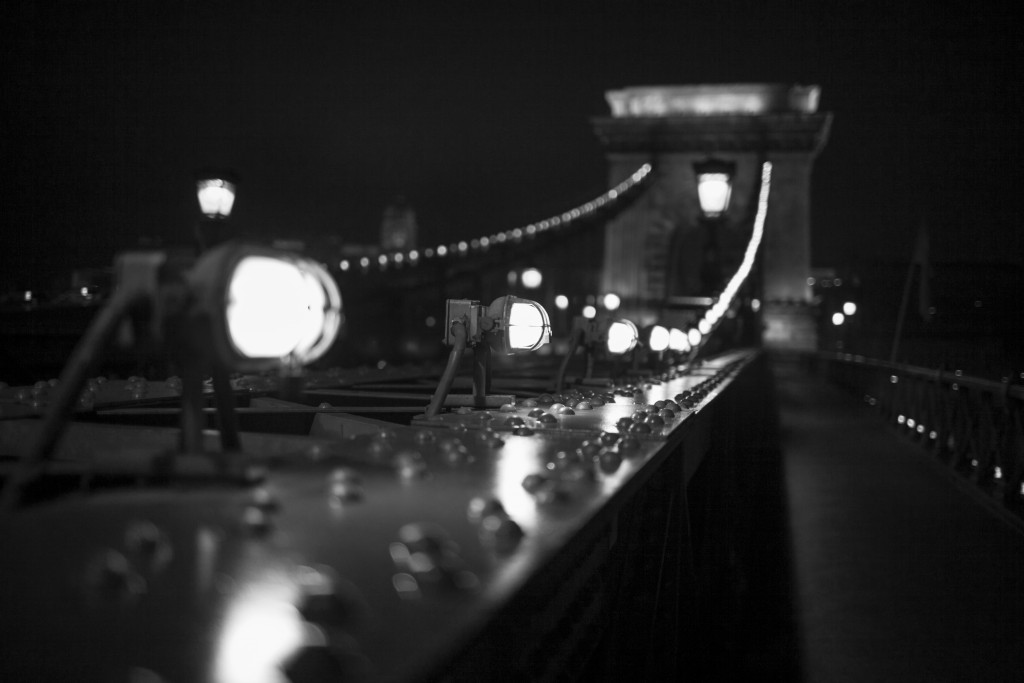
(661, 255)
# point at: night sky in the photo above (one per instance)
(480, 117)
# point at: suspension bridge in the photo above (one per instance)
(737, 505)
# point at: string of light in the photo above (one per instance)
(713, 316)
(516, 235)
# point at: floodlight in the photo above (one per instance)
(657, 338)
(239, 308)
(509, 324)
(265, 308)
(677, 341)
(612, 336)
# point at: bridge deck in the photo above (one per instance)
(901, 571)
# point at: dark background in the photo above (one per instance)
(479, 115)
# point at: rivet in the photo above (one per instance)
(609, 461)
(628, 443)
(256, 520)
(410, 464)
(110, 577)
(480, 507)
(425, 436)
(148, 544)
(345, 484)
(533, 482)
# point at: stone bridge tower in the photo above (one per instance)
(654, 249)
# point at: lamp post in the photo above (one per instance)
(215, 191)
(714, 189)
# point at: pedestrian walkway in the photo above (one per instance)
(901, 572)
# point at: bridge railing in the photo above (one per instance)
(975, 426)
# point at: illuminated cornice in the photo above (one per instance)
(708, 118)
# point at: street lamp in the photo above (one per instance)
(714, 186)
(215, 191)
(714, 189)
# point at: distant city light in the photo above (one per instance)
(532, 278)
(838, 319)
(755, 305)
(344, 265)
(811, 281)
(561, 302)
(849, 308)
(589, 311)
(612, 301)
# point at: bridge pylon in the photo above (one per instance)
(655, 251)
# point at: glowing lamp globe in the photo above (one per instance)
(714, 186)
(612, 301)
(266, 308)
(522, 324)
(532, 278)
(216, 196)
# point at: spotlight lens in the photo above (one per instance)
(658, 339)
(528, 326)
(677, 340)
(622, 336)
(281, 308)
